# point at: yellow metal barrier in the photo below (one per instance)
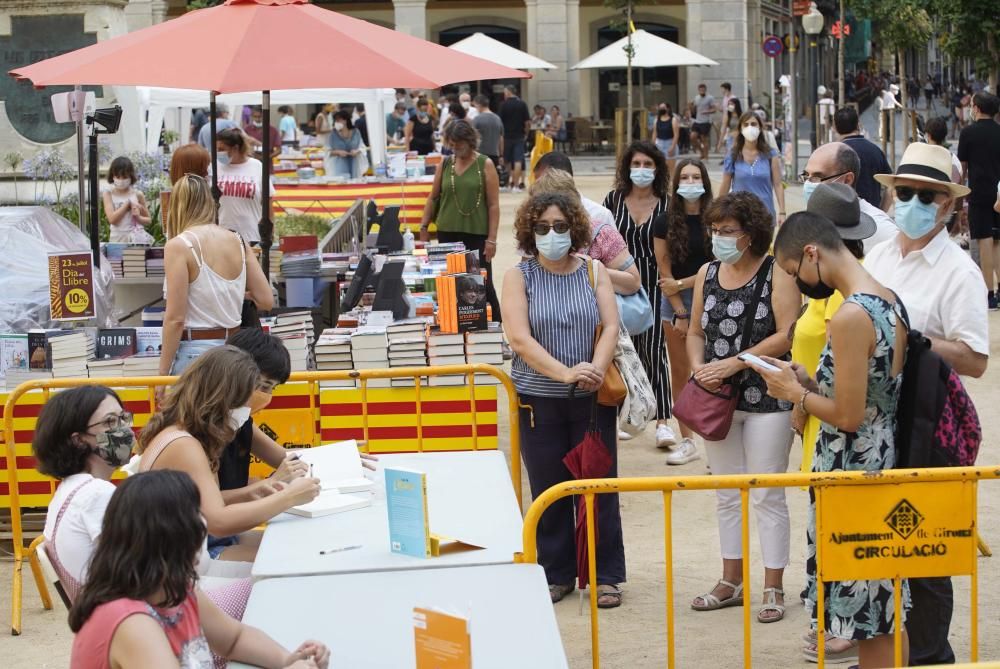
(417, 373)
(905, 479)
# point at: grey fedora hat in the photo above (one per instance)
(839, 203)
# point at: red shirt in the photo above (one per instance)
(258, 134)
(181, 625)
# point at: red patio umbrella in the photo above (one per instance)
(589, 459)
(263, 45)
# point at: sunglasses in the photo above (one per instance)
(925, 195)
(543, 228)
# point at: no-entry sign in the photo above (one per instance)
(772, 46)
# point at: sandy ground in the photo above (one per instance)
(634, 636)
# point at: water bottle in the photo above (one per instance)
(408, 242)
(380, 170)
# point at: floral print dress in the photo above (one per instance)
(859, 610)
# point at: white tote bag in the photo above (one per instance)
(640, 402)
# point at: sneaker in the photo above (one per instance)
(623, 435)
(992, 302)
(685, 452)
(665, 437)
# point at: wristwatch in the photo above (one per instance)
(679, 317)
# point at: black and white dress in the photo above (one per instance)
(649, 345)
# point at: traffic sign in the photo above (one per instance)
(772, 46)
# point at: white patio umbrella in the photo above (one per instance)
(648, 50)
(487, 48)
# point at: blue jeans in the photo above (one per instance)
(187, 351)
(218, 544)
(667, 309)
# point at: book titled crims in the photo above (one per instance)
(116, 343)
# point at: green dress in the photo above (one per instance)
(462, 203)
(859, 610)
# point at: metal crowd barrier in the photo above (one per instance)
(837, 488)
(417, 373)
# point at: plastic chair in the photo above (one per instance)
(47, 570)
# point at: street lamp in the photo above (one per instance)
(812, 23)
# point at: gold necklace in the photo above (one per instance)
(479, 191)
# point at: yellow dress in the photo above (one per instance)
(810, 338)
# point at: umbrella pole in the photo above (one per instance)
(81, 189)
(216, 193)
(266, 226)
(628, 76)
(642, 101)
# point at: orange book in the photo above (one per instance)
(441, 641)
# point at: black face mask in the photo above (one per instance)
(820, 291)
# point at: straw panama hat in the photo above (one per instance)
(927, 163)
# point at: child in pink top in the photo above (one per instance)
(139, 608)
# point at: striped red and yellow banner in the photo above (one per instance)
(335, 199)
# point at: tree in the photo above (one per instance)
(972, 27)
(903, 24)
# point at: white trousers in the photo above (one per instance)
(757, 443)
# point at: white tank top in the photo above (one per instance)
(122, 232)
(214, 302)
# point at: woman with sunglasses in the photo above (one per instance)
(141, 608)
(854, 394)
(552, 304)
(209, 272)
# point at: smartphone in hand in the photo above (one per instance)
(751, 359)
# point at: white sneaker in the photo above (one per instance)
(623, 435)
(685, 452)
(665, 437)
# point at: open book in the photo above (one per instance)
(338, 467)
(329, 502)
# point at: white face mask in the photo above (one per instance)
(338, 126)
(554, 245)
(750, 133)
(123, 184)
(466, 104)
(238, 417)
(691, 191)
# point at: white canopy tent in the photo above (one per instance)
(156, 101)
(648, 51)
(487, 48)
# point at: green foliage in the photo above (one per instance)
(13, 160)
(903, 24)
(970, 30)
(202, 4)
(302, 224)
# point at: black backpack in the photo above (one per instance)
(936, 421)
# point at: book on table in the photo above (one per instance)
(441, 640)
(329, 502)
(337, 466)
(116, 343)
(409, 523)
(13, 352)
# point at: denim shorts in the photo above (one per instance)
(664, 146)
(218, 544)
(667, 310)
(188, 351)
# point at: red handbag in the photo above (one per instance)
(707, 412)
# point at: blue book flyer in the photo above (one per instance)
(406, 499)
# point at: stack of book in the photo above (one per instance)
(444, 349)
(462, 303)
(154, 261)
(485, 347)
(295, 330)
(274, 260)
(407, 347)
(69, 354)
(370, 350)
(97, 369)
(134, 262)
(113, 252)
(142, 364)
(17, 375)
(333, 353)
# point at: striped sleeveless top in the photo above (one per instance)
(563, 316)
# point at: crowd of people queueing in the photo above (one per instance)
(723, 272)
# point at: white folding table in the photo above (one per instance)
(366, 619)
(469, 497)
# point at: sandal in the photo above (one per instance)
(558, 592)
(609, 596)
(711, 602)
(849, 654)
(771, 605)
